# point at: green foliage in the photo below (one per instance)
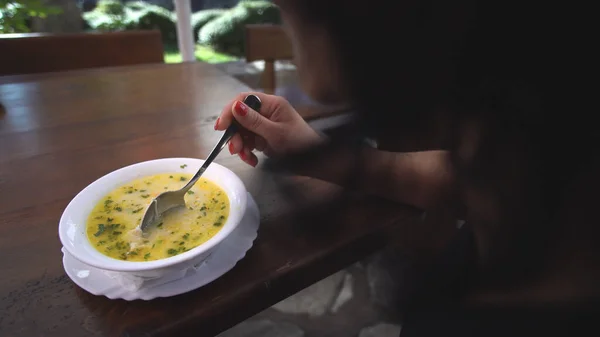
(103, 22)
(201, 18)
(226, 33)
(136, 5)
(203, 53)
(110, 7)
(133, 16)
(154, 17)
(16, 15)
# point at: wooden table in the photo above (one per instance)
(58, 133)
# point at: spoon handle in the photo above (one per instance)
(253, 102)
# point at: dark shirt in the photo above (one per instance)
(437, 309)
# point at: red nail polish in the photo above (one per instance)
(243, 155)
(240, 108)
(231, 147)
(217, 123)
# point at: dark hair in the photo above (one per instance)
(506, 63)
(519, 67)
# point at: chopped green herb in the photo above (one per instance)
(130, 192)
(101, 230)
(118, 209)
(181, 243)
(137, 210)
(203, 208)
(145, 196)
(171, 177)
(186, 236)
(182, 178)
(133, 253)
(117, 233)
(217, 224)
(146, 256)
(223, 207)
(100, 243)
(99, 217)
(142, 191)
(191, 209)
(183, 166)
(109, 219)
(171, 251)
(108, 202)
(159, 225)
(190, 192)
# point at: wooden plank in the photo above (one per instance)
(41, 53)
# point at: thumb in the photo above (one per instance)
(251, 120)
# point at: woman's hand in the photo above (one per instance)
(276, 130)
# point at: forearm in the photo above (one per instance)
(421, 179)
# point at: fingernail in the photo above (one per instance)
(243, 155)
(240, 108)
(217, 123)
(231, 147)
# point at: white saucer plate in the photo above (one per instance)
(228, 253)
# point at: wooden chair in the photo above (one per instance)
(39, 53)
(267, 43)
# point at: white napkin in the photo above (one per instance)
(135, 283)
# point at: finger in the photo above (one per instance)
(248, 140)
(260, 143)
(269, 104)
(248, 157)
(252, 159)
(251, 120)
(236, 144)
(226, 117)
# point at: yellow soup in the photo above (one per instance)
(112, 227)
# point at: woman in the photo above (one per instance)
(521, 156)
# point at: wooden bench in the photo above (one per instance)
(41, 53)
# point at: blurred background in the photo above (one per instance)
(218, 28)
(218, 24)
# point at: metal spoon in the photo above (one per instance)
(172, 199)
